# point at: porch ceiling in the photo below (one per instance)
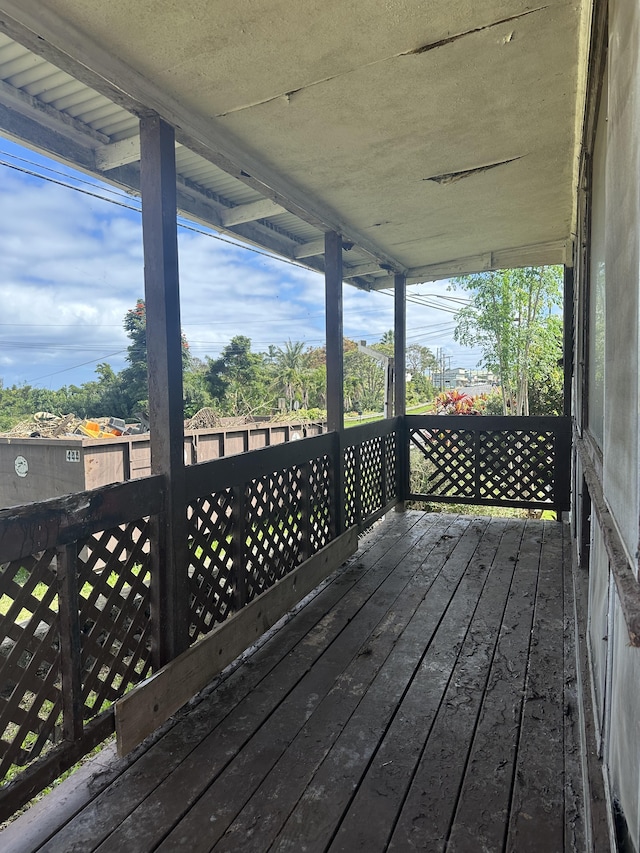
(437, 137)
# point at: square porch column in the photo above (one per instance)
(400, 385)
(169, 592)
(335, 366)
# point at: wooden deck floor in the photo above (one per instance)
(424, 699)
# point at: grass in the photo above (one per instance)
(421, 409)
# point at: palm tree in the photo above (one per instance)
(291, 367)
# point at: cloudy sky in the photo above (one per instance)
(71, 266)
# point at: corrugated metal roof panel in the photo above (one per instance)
(57, 89)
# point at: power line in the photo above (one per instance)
(75, 367)
(137, 209)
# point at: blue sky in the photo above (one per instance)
(72, 266)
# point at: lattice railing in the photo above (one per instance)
(490, 460)
(276, 510)
(75, 626)
(115, 613)
(211, 572)
(30, 677)
(370, 471)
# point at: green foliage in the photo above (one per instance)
(546, 384)
(364, 380)
(239, 382)
(419, 389)
(238, 379)
(292, 373)
(194, 388)
(511, 318)
(493, 404)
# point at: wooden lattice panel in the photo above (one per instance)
(450, 455)
(492, 466)
(350, 487)
(30, 687)
(115, 626)
(211, 546)
(319, 487)
(390, 466)
(370, 476)
(517, 465)
(274, 528)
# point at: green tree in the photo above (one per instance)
(238, 379)
(421, 363)
(546, 384)
(292, 373)
(195, 391)
(134, 377)
(420, 360)
(364, 380)
(509, 317)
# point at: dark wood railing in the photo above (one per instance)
(370, 470)
(494, 461)
(77, 580)
(75, 631)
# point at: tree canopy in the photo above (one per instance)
(238, 382)
(513, 318)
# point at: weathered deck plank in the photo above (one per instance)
(427, 811)
(349, 759)
(247, 771)
(483, 805)
(417, 701)
(287, 782)
(537, 808)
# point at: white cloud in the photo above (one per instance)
(72, 266)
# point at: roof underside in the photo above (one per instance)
(437, 137)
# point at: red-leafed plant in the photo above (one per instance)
(457, 403)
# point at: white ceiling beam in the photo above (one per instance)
(262, 209)
(537, 255)
(199, 206)
(362, 269)
(120, 153)
(308, 250)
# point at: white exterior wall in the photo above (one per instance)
(623, 738)
(622, 253)
(615, 664)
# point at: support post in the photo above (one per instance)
(169, 591)
(333, 309)
(70, 643)
(568, 342)
(335, 363)
(400, 385)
